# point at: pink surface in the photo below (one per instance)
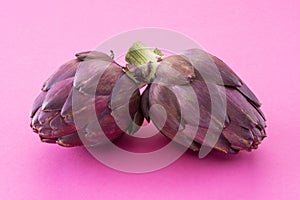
(258, 39)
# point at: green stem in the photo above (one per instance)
(138, 54)
(144, 61)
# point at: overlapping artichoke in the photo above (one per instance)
(242, 126)
(53, 112)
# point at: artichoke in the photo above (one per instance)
(168, 78)
(174, 82)
(52, 115)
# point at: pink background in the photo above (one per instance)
(258, 39)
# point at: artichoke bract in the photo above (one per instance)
(243, 126)
(52, 115)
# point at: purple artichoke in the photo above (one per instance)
(52, 115)
(243, 126)
(187, 80)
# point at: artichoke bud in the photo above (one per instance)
(242, 127)
(53, 111)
